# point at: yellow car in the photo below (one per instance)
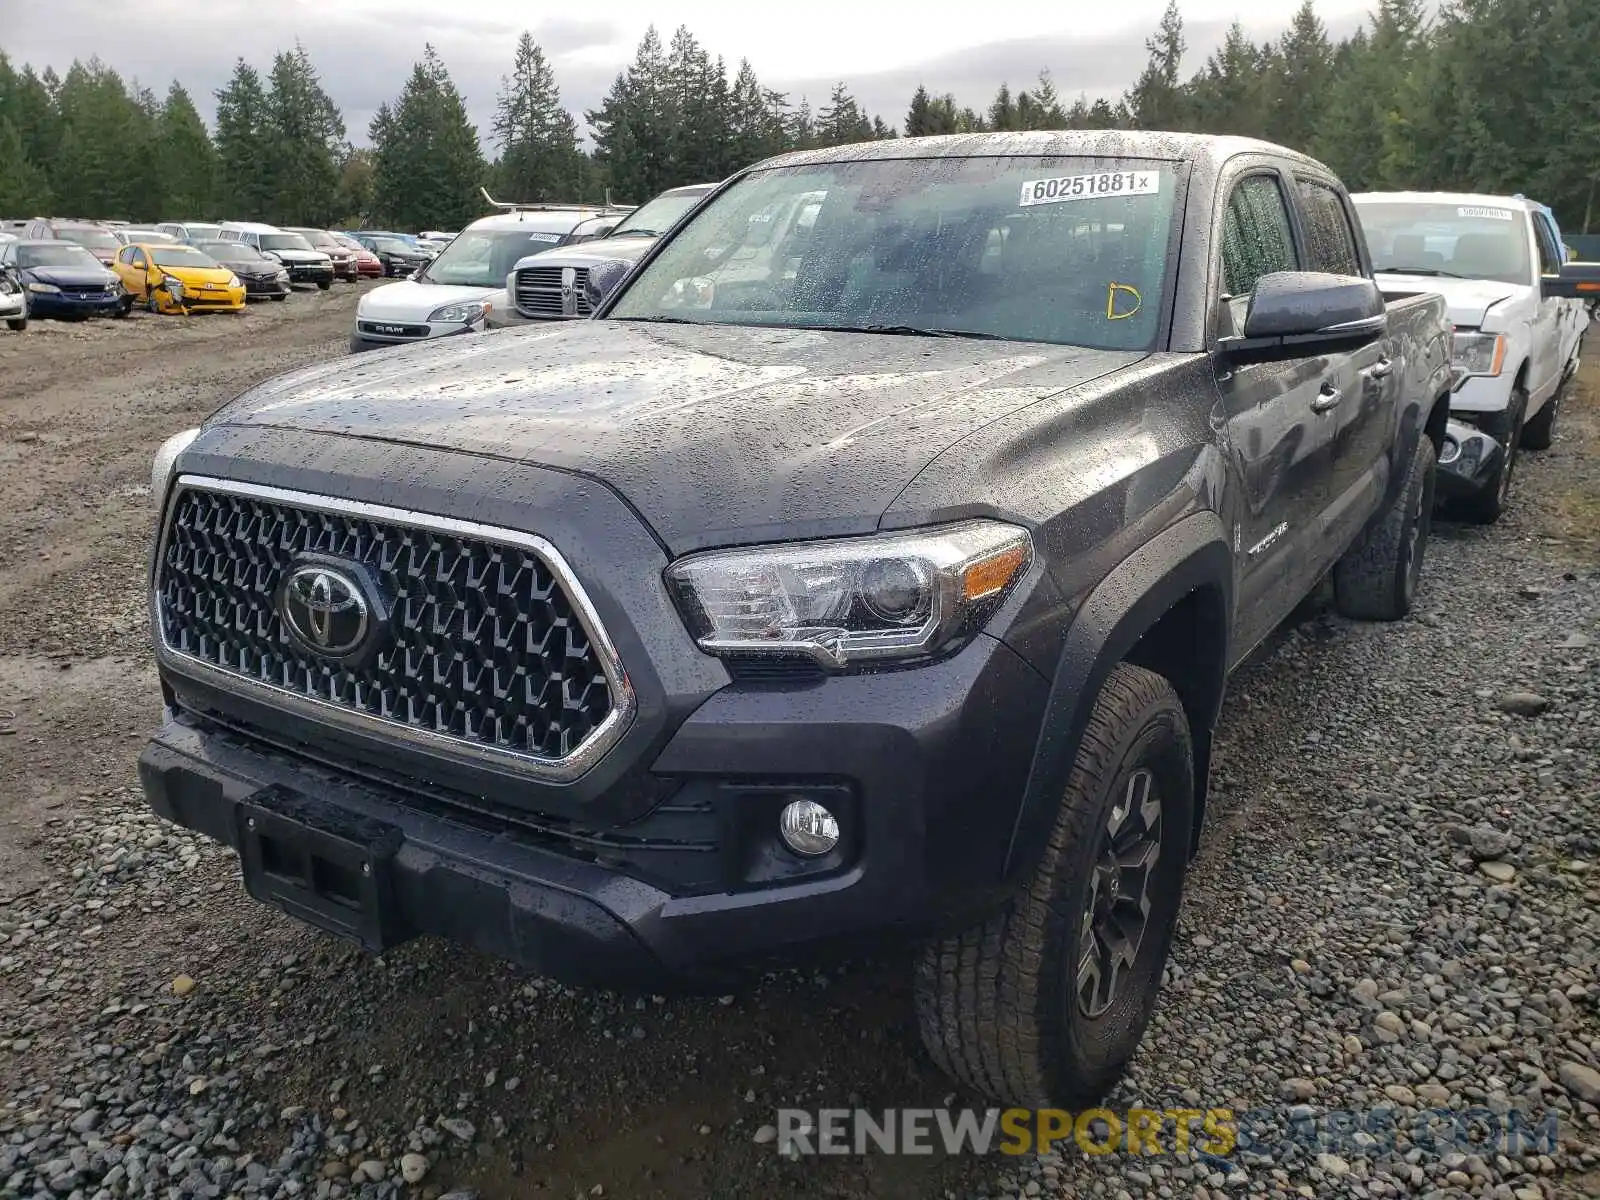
(176, 278)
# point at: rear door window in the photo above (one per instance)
(1332, 244)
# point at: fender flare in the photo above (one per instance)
(1191, 555)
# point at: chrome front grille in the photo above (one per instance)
(552, 292)
(491, 650)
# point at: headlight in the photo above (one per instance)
(1480, 353)
(44, 289)
(465, 313)
(166, 459)
(282, 275)
(233, 281)
(889, 596)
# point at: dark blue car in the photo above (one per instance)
(65, 280)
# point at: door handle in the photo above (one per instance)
(1381, 369)
(1326, 398)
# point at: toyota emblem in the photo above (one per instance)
(325, 611)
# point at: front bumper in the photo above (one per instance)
(257, 287)
(1469, 462)
(72, 304)
(925, 767)
(309, 272)
(12, 304)
(374, 335)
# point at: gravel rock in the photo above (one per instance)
(1523, 704)
(1581, 1080)
(413, 1167)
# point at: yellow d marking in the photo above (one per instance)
(1111, 301)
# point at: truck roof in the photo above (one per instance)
(1446, 198)
(1205, 149)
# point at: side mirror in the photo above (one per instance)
(1577, 281)
(604, 278)
(1293, 313)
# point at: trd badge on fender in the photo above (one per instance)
(325, 610)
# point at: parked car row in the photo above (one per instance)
(74, 268)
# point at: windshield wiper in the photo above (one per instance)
(1420, 271)
(910, 331)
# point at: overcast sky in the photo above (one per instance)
(365, 48)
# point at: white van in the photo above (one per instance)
(304, 264)
(451, 294)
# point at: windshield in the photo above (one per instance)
(130, 236)
(394, 246)
(483, 257)
(180, 256)
(348, 242)
(320, 239)
(1070, 251)
(1467, 241)
(231, 251)
(95, 239)
(202, 232)
(284, 241)
(656, 217)
(54, 254)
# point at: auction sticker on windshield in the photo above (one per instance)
(1087, 187)
(1493, 214)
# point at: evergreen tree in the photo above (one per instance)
(24, 188)
(1003, 114)
(1157, 100)
(427, 167)
(243, 142)
(842, 122)
(1297, 79)
(1227, 95)
(632, 127)
(695, 95)
(104, 129)
(537, 138)
(304, 142)
(186, 161)
(1363, 133)
(919, 118)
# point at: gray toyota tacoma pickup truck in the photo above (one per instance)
(883, 582)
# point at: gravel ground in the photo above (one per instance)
(1397, 905)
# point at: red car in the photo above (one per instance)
(368, 265)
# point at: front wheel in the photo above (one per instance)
(16, 324)
(324, 284)
(1489, 505)
(1045, 1003)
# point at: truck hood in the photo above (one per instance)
(411, 301)
(1469, 300)
(314, 257)
(717, 435)
(587, 254)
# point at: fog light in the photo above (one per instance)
(808, 828)
(1449, 451)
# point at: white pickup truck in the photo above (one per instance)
(1517, 339)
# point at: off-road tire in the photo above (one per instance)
(997, 1004)
(324, 284)
(1490, 504)
(1377, 578)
